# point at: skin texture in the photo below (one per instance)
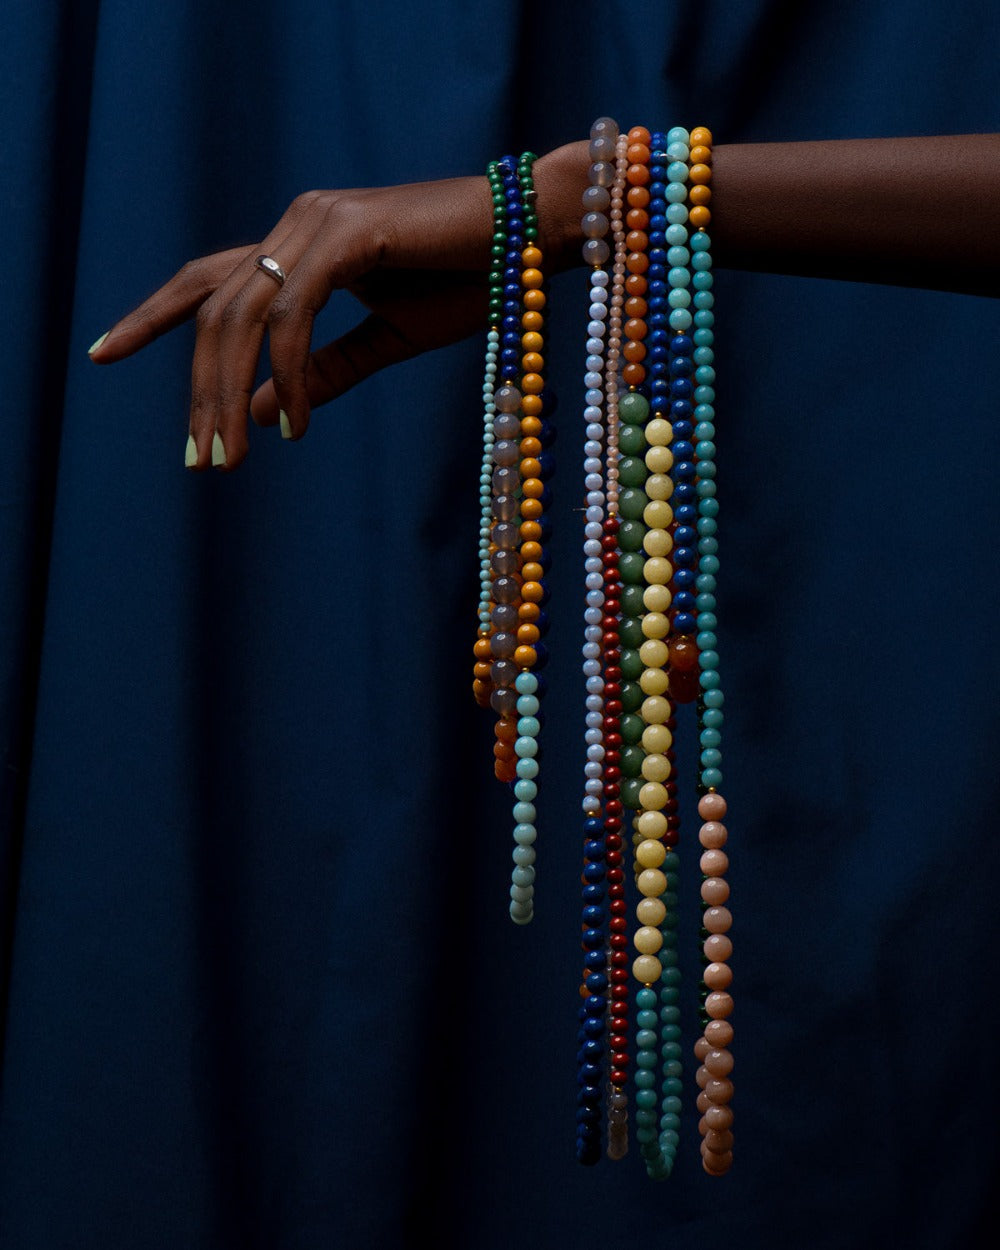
(922, 212)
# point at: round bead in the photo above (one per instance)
(657, 739)
(717, 919)
(648, 941)
(653, 797)
(654, 652)
(596, 252)
(658, 542)
(718, 1118)
(719, 1089)
(656, 598)
(658, 514)
(718, 976)
(717, 947)
(711, 807)
(720, 1034)
(650, 911)
(658, 571)
(715, 891)
(714, 863)
(719, 1005)
(507, 399)
(655, 624)
(656, 768)
(594, 226)
(655, 710)
(659, 486)
(659, 459)
(652, 825)
(647, 969)
(654, 681)
(652, 883)
(650, 853)
(633, 408)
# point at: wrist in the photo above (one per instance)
(560, 178)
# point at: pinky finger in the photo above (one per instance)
(404, 327)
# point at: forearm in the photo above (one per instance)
(919, 212)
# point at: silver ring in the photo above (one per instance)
(271, 267)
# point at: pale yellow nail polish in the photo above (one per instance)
(286, 425)
(94, 346)
(218, 450)
(190, 453)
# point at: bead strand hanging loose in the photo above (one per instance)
(656, 864)
(618, 973)
(712, 1049)
(511, 553)
(482, 686)
(594, 915)
(533, 498)
(650, 549)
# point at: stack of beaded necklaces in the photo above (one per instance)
(650, 643)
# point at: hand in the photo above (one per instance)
(416, 256)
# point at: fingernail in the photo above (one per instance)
(190, 453)
(94, 346)
(218, 450)
(286, 425)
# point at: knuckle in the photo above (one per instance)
(342, 209)
(285, 375)
(207, 320)
(190, 269)
(280, 309)
(233, 397)
(232, 315)
(288, 310)
(200, 400)
(307, 200)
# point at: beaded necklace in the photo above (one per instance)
(614, 811)
(513, 497)
(650, 640)
(593, 1010)
(717, 1004)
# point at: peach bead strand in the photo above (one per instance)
(712, 1048)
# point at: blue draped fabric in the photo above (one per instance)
(259, 985)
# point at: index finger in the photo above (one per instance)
(170, 306)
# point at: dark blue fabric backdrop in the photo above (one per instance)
(260, 989)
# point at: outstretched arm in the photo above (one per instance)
(921, 212)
